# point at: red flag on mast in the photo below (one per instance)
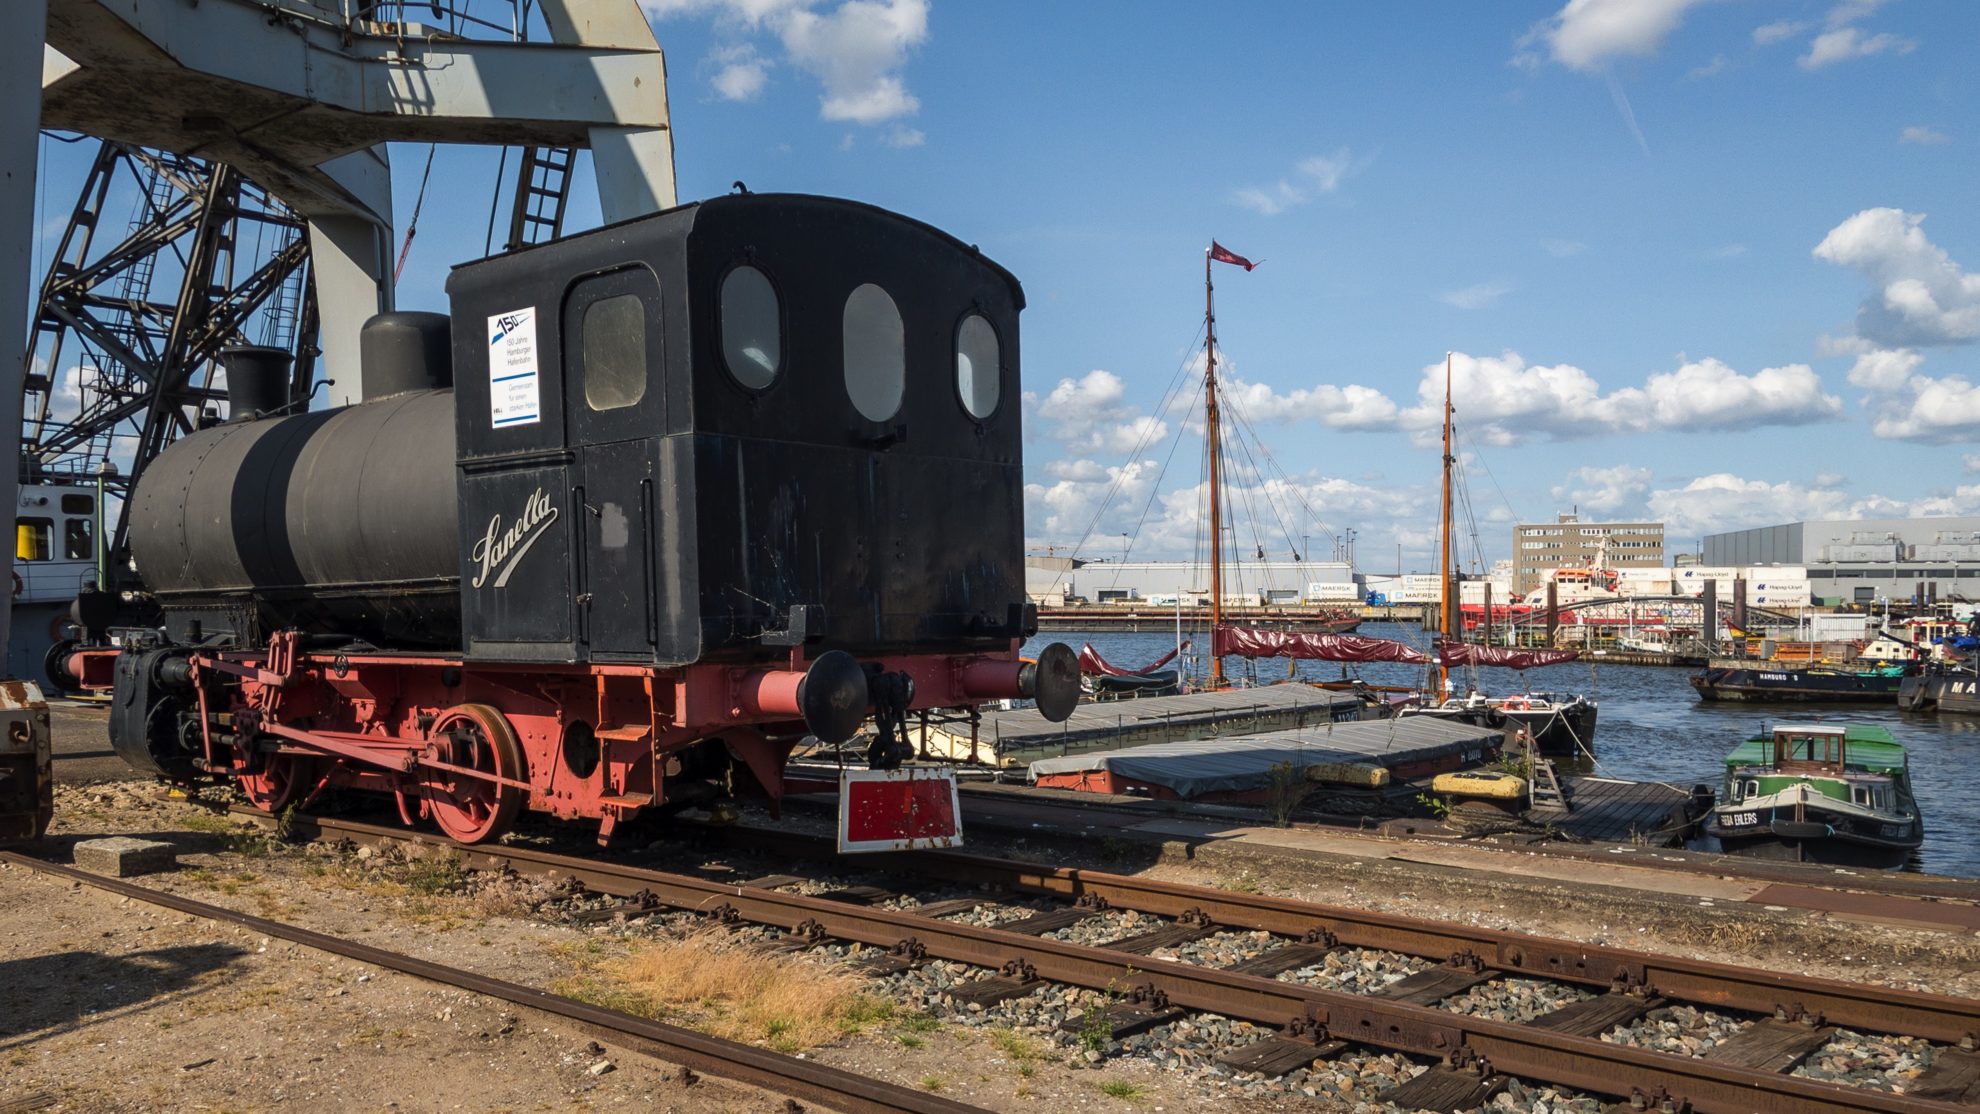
(1222, 254)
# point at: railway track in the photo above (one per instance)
(784, 1075)
(1797, 1014)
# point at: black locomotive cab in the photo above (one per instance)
(737, 427)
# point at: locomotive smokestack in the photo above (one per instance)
(257, 380)
(405, 351)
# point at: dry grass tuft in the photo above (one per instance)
(786, 1002)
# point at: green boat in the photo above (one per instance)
(1822, 794)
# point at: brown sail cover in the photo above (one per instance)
(1250, 642)
(1092, 664)
(1512, 657)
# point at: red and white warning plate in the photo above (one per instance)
(912, 809)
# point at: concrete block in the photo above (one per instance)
(123, 857)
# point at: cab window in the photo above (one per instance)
(752, 328)
(34, 539)
(614, 346)
(978, 366)
(875, 353)
(76, 541)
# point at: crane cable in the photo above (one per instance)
(412, 225)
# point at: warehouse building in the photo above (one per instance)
(1568, 542)
(1863, 561)
(1052, 580)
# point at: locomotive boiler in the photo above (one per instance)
(653, 503)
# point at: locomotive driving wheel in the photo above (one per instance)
(275, 781)
(468, 808)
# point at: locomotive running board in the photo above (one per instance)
(913, 809)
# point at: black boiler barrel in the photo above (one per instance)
(339, 521)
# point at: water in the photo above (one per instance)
(1653, 727)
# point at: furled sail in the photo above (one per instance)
(1512, 657)
(1093, 665)
(1251, 642)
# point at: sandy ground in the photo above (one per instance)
(111, 1005)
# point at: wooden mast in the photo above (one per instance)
(1216, 454)
(1447, 613)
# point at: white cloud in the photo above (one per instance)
(1971, 461)
(1779, 31)
(1723, 501)
(1060, 512)
(1707, 394)
(1311, 177)
(1908, 406)
(1561, 249)
(742, 75)
(1091, 415)
(1936, 411)
(1476, 297)
(905, 137)
(855, 50)
(1350, 407)
(1728, 251)
(1586, 34)
(1845, 43)
(1604, 490)
(1066, 509)
(1922, 297)
(1923, 136)
(1961, 500)
(1884, 369)
(1502, 400)
(1713, 68)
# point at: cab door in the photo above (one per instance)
(614, 409)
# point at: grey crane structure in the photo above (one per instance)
(300, 96)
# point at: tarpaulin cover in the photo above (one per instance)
(1093, 665)
(1244, 763)
(1250, 642)
(1512, 657)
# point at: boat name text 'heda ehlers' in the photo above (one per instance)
(506, 547)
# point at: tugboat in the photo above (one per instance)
(1819, 793)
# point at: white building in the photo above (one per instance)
(1052, 580)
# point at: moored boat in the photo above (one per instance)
(1776, 681)
(1819, 793)
(1949, 687)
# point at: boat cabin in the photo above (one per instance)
(1862, 765)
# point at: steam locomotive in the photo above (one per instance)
(654, 502)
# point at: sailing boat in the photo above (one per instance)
(1557, 723)
(1228, 640)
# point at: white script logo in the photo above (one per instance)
(506, 547)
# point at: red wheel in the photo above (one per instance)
(276, 782)
(471, 809)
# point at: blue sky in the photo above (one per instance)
(1716, 263)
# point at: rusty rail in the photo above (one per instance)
(1877, 1008)
(1580, 1062)
(784, 1075)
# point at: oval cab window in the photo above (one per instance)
(752, 344)
(875, 353)
(978, 373)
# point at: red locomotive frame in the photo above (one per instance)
(471, 744)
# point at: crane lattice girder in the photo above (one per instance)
(307, 88)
